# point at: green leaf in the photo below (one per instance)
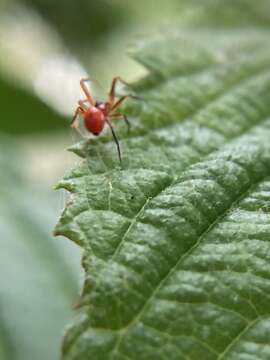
(229, 13)
(176, 242)
(38, 276)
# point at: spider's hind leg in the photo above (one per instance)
(116, 140)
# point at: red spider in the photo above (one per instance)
(97, 113)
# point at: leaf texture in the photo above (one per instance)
(176, 242)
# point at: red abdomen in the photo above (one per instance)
(94, 120)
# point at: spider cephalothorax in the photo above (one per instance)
(96, 114)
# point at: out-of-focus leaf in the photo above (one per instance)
(226, 13)
(38, 274)
(22, 112)
(81, 22)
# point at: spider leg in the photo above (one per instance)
(86, 91)
(113, 87)
(121, 100)
(82, 104)
(121, 116)
(73, 122)
(115, 139)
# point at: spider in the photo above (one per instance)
(96, 114)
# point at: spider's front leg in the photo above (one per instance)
(113, 88)
(122, 99)
(74, 122)
(82, 104)
(86, 91)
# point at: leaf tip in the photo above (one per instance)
(65, 184)
(78, 148)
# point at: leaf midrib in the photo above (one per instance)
(184, 256)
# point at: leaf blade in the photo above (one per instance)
(205, 162)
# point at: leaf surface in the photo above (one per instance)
(176, 242)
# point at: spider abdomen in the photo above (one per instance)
(94, 120)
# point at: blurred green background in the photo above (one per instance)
(45, 47)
